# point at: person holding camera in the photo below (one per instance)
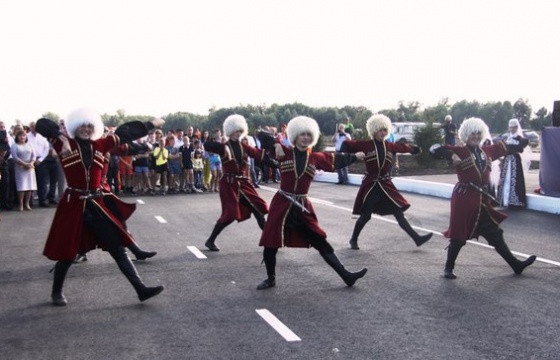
(339, 138)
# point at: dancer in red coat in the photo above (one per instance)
(124, 149)
(85, 217)
(292, 221)
(377, 192)
(472, 206)
(237, 194)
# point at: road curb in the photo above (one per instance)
(534, 202)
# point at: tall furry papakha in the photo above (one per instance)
(84, 116)
(300, 125)
(235, 122)
(471, 126)
(377, 122)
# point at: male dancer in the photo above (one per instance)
(84, 217)
(237, 194)
(472, 207)
(292, 221)
(377, 192)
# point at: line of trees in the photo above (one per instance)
(496, 115)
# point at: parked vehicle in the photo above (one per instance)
(532, 136)
(406, 130)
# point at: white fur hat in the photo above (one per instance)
(378, 122)
(83, 116)
(234, 123)
(300, 125)
(471, 126)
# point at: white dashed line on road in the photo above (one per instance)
(196, 252)
(140, 201)
(277, 325)
(161, 220)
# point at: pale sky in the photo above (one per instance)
(160, 57)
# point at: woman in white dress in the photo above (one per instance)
(24, 165)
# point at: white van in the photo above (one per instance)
(406, 130)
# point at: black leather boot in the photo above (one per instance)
(215, 232)
(404, 224)
(269, 258)
(260, 219)
(60, 270)
(360, 223)
(139, 253)
(349, 277)
(517, 265)
(452, 253)
(127, 268)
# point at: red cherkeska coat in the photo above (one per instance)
(67, 235)
(466, 201)
(378, 173)
(236, 183)
(275, 233)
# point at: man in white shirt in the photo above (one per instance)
(45, 164)
(339, 137)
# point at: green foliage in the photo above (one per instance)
(495, 114)
(424, 138)
(436, 114)
(522, 111)
(320, 146)
(360, 134)
(544, 118)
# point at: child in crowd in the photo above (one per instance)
(160, 156)
(186, 152)
(126, 174)
(215, 170)
(113, 177)
(173, 163)
(141, 169)
(197, 169)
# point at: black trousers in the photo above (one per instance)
(8, 191)
(47, 179)
(104, 229)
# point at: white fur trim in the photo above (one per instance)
(300, 125)
(471, 126)
(234, 123)
(83, 116)
(377, 122)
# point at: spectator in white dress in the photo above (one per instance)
(24, 159)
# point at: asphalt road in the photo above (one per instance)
(402, 309)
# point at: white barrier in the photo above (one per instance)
(534, 202)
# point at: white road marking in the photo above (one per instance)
(160, 219)
(140, 201)
(196, 252)
(277, 325)
(474, 242)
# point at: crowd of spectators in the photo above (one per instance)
(171, 163)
